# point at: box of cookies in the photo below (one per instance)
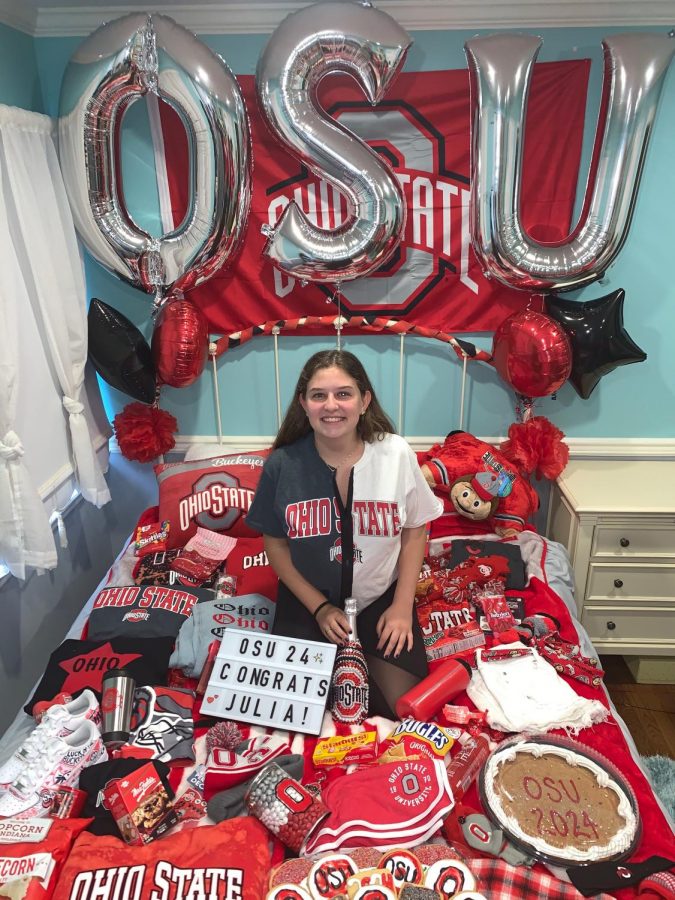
(140, 805)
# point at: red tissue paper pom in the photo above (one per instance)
(536, 446)
(144, 432)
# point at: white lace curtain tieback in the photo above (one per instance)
(73, 406)
(11, 447)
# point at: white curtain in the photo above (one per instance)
(40, 265)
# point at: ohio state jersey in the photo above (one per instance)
(296, 499)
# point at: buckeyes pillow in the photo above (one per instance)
(211, 493)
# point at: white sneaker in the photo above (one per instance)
(59, 721)
(57, 764)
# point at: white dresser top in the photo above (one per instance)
(619, 486)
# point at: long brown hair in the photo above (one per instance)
(374, 423)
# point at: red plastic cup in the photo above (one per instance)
(423, 701)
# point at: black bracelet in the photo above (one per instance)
(320, 607)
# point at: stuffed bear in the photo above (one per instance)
(482, 492)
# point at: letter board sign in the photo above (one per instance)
(270, 680)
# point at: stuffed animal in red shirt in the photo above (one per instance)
(482, 493)
(487, 490)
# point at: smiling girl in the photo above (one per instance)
(343, 508)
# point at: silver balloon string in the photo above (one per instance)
(213, 353)
(337, 298)
(276, 330)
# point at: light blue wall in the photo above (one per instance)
(633, 401)
(19, 81)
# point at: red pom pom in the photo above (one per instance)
(536, 446)
(144, 432)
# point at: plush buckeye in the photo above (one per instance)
(481, 490)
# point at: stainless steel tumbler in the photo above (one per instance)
(117, 698)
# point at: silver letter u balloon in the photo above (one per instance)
(500, 69)
(120, 62)
(309, 44)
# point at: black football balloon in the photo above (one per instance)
(119, 352)
(600, 343)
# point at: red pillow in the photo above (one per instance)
(231, 859)
(209, 493)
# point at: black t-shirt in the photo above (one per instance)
(461, 550)
(76, 665)
(142, 611)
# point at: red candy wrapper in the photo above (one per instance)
(202, 555)
(492, 601)
(151, 538)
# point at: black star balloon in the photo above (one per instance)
(599, 341)
(119, 352)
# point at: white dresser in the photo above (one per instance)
(617, 519)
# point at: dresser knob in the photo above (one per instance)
(611, 626)
(618, 582)
(624, 542)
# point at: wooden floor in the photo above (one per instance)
(647, 709)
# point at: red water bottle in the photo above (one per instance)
(424, 700)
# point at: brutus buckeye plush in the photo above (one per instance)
(481, 491)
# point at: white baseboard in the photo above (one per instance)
(580, 448)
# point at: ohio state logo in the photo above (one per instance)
(111, 700)
(217, 502)
(436, 241)
(136, 616)
(294, 797)
(411, 784)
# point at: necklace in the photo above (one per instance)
(343, 461)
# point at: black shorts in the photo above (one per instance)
(292, 619)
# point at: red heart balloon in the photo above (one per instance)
(532, 353)
(180, 343)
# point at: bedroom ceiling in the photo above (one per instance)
(49, 18)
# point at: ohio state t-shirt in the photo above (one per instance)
(76, 665)
(296, 499)
(143, 611)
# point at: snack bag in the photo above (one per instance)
(415, 740)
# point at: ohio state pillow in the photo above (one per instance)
(228, 860)
(211, 493)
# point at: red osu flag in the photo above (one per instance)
(422, 130)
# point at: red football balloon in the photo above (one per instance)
(180, 343)
(532, 353)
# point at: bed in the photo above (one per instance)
(548, 590)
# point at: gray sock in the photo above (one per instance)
(230, 803)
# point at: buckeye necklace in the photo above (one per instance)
(345, 459)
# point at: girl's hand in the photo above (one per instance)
(394, 630)
(333, 623)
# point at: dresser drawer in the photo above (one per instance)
(634, 540)
(630, 582)
(645, 624)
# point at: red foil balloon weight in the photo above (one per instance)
(180, 343)
(532, 353)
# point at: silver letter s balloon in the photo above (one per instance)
(309, 44)
(116, 65)
(500, 69)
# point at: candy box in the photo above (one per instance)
(343, 751)
(140, 805)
